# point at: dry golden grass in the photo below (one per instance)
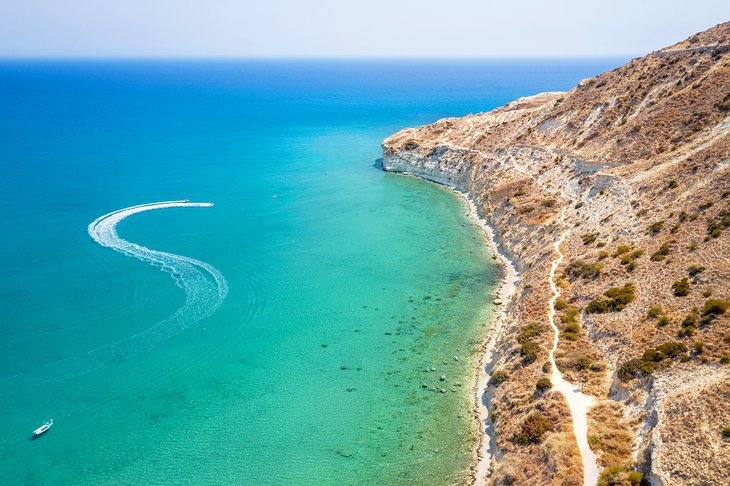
(609, 435)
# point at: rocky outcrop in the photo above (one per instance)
(638, 160)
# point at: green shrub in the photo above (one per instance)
(529, 350)
(695, 270)
(621, 249)
(654, 311)
(572, 327)
(726, 432)
(725, 359)
(529, 331)
(699, 346)
(498, 376)
(647, 364)
(629, 369)
(570, 316)
(597, 306)
(620, 476)
(672, 349)
(714, 307)
(663, 321)
(672, 184)
(705, 205)
(636, 478)
(570, 336)
(718, 223)
(681, 287)
(689, 320)
(661, 253)
(647, 367)
(543, 384)
(580, 268)
(621, 296)
(656, 227)
(652, 355)
(560, 304)
(602, 255)
(629, 258)
(533, 429)
(618, 298)
(583, 363)
(589, 238)
(549, 203)
(686, 331)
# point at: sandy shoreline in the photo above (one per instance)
(504, 294)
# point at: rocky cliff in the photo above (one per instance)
(635, 165)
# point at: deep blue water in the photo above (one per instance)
(342, 289)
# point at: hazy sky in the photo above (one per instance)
(296, 28)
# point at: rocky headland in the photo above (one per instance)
(629, 173)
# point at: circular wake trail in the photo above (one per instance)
(205, 289)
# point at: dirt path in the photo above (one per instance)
(578, 402)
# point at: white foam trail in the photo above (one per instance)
(203, 296)
(205, 289)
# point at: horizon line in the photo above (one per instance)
(314, 58)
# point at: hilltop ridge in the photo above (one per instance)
(632, 165)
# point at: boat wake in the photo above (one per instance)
(205, 289)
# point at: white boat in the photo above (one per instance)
(43, 428)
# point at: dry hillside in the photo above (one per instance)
(637, 160)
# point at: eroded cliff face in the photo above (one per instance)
(639, 159)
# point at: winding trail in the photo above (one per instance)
(578, 402)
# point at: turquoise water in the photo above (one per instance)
(340, 292)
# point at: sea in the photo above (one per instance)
(206, 278)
